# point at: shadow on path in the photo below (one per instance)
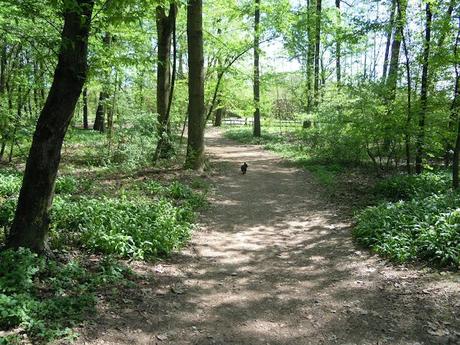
(275, 264)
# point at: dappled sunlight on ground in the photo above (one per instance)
(275, 264)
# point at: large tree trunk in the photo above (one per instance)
(317, 50)
(257, 127)
(423, 93)
(196, 110)
(31, 221)
(165, 28)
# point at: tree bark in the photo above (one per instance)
(31, 221)
(257, 128)
(85, 108)
(99, 121)
(409, 105)
(423, 93)
(387, 46)
(392, 78)
(455, 109)
(310, 55)
(196, 109)
(165, 28)
(338, 48)
(317, 50)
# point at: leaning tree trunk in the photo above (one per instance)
(196, 110)
(257, 129)
(423, 94)
(165, 28)
(31, 221)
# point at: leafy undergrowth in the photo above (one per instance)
(42, 300)
(422, 223)
(151, 221)
(109, 205)
(416, 218)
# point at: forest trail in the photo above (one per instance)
(274, 263)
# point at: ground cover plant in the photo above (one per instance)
(104, 208)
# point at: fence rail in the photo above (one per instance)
(236, 121)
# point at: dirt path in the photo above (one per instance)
(275, 264)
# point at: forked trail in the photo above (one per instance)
(274, 263)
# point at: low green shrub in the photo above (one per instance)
(127, 228)
(406, 187)
(46, 299)
(10, 183)
(66, 185)
(420, 229)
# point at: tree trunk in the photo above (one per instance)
(395, 50)
(310, 55)
(196, 110)
(219, 114)
(165, 28)
(423, 93)
(31, 221)
(409, 105)
(317, 50)
(99, 121)
(387, 46)
(455, 107)
(338, 48)
(85, 108)
(257, 128)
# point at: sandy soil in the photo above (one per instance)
(274, 263)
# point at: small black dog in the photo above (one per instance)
(244, 168)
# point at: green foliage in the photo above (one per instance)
(405, 187)
(424, 228)
(10, 183)
(66, 185)
(127, 228)
(47, 299)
